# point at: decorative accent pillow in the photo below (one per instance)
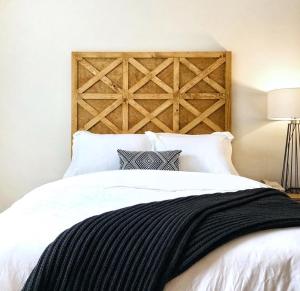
(149, 160)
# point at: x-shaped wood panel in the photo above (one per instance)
(176, 94)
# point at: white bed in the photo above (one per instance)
(267, 260)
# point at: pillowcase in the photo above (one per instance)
(149, 160)
(210, 153)
(98, 152)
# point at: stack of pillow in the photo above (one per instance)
(210, 153)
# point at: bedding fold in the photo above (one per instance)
(144, 246)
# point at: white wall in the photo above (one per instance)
(37, 37)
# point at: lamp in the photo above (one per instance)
(284, 104)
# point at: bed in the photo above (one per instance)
(111, 98)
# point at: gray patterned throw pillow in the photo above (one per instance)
(149, 160)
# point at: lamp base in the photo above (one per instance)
(293, 190)
(291, 163)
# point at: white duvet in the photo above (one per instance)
(266, 260)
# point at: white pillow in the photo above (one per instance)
(209, 153)
(98, 152)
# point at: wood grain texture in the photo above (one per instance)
(132, 92)
(294, 196)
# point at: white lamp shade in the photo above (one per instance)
(284, 104)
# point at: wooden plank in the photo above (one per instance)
(125, 96)
(100, 76)
(96, 73)
(138, 66)
(176, 76)
(74, 94)
(150, 116)
(189, 107)
(152, 96)
(110, 125)
(197, 71)
(94, 113)
(155, 79)
(111, 85)
(99, 96)
(151, 75)
(228, 92)
(203, 54)
(89, 67)
(202, 75)
(202, 116)
(204, 96)
(214, 85)
(197, 113)
(102, 114)
(90, 109)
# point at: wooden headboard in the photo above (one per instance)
(132, 92)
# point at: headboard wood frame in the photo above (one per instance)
(132, 92)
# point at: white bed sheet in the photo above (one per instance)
(266, 260)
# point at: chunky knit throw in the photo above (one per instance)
(144, 246)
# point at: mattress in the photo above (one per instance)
(266, 260)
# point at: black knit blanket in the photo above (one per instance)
(144, 246)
